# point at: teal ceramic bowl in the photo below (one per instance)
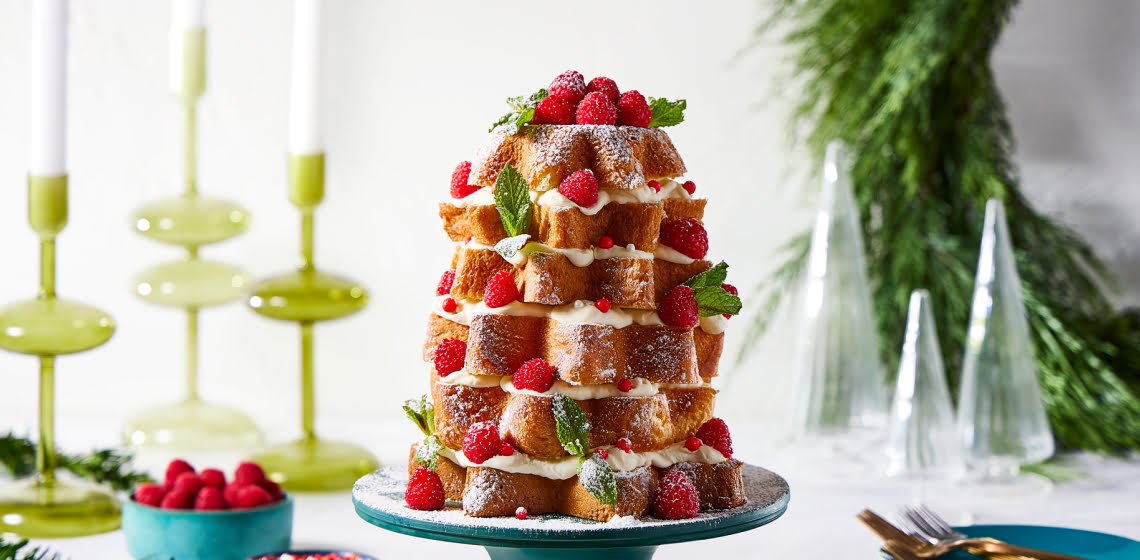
(164, 534)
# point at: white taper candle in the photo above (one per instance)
(188, 14)
(47, 151)
(187, 50)
(305, 81)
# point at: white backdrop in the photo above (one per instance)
(411, 89)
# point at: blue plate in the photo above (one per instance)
(1090, 544)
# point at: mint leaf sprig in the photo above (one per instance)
(521, 114)
(711, 298)
(422, 414)
(665, 112)
(573, 431)
(512, 198)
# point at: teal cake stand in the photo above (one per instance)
(379, 500)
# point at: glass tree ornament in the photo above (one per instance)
(841, 392)
(191, 221)
(307, 296)
(47, 504)
(1001, 414)
(922, 435)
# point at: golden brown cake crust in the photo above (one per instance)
(489, 492)
(582, 353)
(621, 157)
(650, 423)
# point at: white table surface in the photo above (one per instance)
(819, 523)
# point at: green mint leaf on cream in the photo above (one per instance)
(512, 198)
(596, 476)
(522, 112)
(421, 413)
(665, 112)
(427, 453)
(571, 425)
(714, 276)
(715, 300)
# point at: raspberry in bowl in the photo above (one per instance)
(203, 515)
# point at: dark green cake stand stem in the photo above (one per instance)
(379, 500)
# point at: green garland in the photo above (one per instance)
(21, 550)
(104, 466)
(907, 84)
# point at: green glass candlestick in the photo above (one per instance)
(191, 221)
(45, 505)
(308, 296)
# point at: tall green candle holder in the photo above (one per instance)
(191, 221)
(46, 505)
(307, 296)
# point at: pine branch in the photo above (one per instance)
(104, 466)
(907, 84)
(20, 550)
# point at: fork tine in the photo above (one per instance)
(937, 520)
(920, 528)
(886, 531)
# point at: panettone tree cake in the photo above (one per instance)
(575, 336)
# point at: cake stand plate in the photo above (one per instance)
(379, 500)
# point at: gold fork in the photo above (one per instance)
(908, 547)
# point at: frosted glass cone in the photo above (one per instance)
(1001, 415)
(922, 436)
(841, 385)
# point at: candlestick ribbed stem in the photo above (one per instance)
(191, 147)
(45, 446)
(307, 240)
(47, 268)
(307, 412)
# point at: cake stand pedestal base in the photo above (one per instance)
(34, 508)
(191, 425)
(316, 465)
(379, 500)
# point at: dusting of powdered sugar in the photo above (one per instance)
(381, 495)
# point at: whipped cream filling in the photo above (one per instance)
(715, 324)
(577, 257)
(639, 388)
(672, 255)
(581, 311)
(670, 189)
(562, 468)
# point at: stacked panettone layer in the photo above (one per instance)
(590, 283)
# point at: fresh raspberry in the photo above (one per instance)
(554, 110)
(468, 239)
(230, 493)
(693, 444)
(603, 305)
(449, 305)
(150, 494)
(500, 289)
(450, 355)
(581, 187)
(596, 108)
(520, 512)
(625, 385)
(687, 236)
(536, 375)
(209, 499)
(714, 433)
(252, 496)
(459, 186)
(481, 442)
(602, 452)
(175, 468)
(187, 482)
(655, 185)
(506, 449)
(274, 490)
(624, 445)
(425, 490)
(213, 477)
(446, 281)
(606, 242)
(676, 497)
(568, 85)
(632, 110)
(248, 472)
(177, 500)
(679, 308)
(689, 186)
(606, 86)
(732, 290)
